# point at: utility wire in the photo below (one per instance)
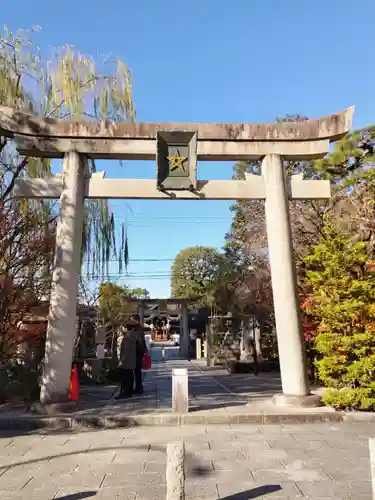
(138, 260)
(178, 217)
(133, 277)
(174, 216)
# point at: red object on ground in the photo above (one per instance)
(74, 385)
(146, 362)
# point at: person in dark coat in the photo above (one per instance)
(141, 350)
(127, 348)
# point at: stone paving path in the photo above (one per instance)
(212, 391)
(320, 461)
(209, 389)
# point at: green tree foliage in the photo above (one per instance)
(248, 235)
(351, 155)
(334, 244)
(351, 167)
(114, 303)
(66, 85)
(350, 170)
(342, 283)
(139, 293)
(195, 274)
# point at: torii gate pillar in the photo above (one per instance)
(293, 365)
(62, 315)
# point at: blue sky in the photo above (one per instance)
(212, 61)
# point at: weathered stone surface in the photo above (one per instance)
(36, 494)
(54, 408)
(372, 463)
(330, 127)
(50, 188)
(309, 401)
(62, 320)
(75, 463)
(335, 490)
(284, 281)
(180, 391)
(145, 149)
(204, 489)
(155, 468)
(175, 471)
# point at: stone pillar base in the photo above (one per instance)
(51, 409)
(308, 401)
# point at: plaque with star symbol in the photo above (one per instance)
(176, 160)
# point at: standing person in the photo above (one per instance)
(141, 349)
(127, 348)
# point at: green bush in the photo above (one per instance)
(343, 298)
(19, 382)
(350, 399)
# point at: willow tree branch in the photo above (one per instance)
(15, 176)
(3, 141)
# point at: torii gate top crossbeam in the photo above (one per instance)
(331, 127)
(46, 137)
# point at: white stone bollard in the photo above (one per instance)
(148, 342)
(176, 471)
(163, 355)
(210, 343)
(371, 443)
(100, 351)
(198, 348)
(180, 390)
(205, 349)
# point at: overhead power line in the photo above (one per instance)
(138, 260)
(133, 276)
(167, 216)
(175, 224)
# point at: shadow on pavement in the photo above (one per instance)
(254, 493)
(78, 496)
(194, 467)
(243, 495)
(215, 406)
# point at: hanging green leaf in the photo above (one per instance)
(120, 259)
(68, 85)
(126, 249)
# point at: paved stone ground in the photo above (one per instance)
(213, 393)
(210, 390)
(320, 461)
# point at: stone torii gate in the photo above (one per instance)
(182, 305)
(176, 147)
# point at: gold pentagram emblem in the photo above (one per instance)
(176, 161)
